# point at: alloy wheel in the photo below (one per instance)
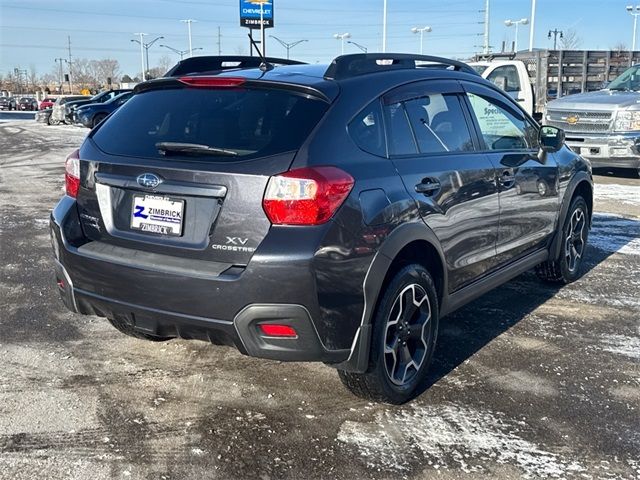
(574, 242)
(406, 334)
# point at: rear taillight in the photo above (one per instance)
(72, 174)
(306, 196)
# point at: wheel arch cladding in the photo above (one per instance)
(580, 185)
(408, 243)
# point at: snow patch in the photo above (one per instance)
(622, 345)
(625, 194)
(615, 234)
(450, 433)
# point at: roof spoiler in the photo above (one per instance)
(347, 66)
(216, 64)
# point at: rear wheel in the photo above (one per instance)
(575, 231)
(404, 337)
(128, 329)
(97, 119)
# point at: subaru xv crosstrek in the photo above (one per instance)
(316, 213)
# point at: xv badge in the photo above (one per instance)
(237, 241)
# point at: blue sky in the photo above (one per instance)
(34, 32)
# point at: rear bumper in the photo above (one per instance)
(615, 150)
(224, 308)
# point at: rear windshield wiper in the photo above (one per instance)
(193, 148)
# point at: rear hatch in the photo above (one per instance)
(180, 170)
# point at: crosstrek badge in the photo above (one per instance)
(157, 214)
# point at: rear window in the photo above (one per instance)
(249, 123)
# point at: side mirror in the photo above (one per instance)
(551, 139)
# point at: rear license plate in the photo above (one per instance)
(157, 214)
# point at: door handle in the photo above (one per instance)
(428, 186)
(507, 179)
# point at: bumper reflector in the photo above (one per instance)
(277, 330)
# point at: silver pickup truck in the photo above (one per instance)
(603, 126)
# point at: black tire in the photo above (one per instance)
(379, 383)
(127, 329)
(568, 266)
(97, 119)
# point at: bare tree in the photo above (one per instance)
(570, 40)
(33, 77)
(620, 47)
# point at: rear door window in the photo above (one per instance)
(439, 124)
(236, 123)
(401, 140)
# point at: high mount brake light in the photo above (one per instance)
(217, 82)
(72, 174)
(306, 196)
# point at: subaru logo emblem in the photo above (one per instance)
(148, 180)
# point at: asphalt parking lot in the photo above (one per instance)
(529, 381)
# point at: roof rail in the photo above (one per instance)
(211, 64)
(347, 66)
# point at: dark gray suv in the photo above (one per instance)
(316, 213)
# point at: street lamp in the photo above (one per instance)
(341, 37)
(533, 25)
(361, 47)
(555, 32)
(286, 45)
(189, 21)
(634, 11)
(141, 42)
(384, 27)
(510, 23)
(147, 46)
(182, 53)
(421, 30)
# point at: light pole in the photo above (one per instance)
(555, 33)
(361, 47)
(147, 46)
(60, 60)
(341, 37)
(286, 45)
(384, 27)
(421, 31)
(189, 21)
(141, 42)
(510, 23)
(533, 24)
(262, 3)
(182, 53)
(634, 12)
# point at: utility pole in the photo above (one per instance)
(219, 42)
(286, 45)
(70, 64)
(555, 33)
(533, 24)
(60, 60)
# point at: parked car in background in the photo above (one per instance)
(603, 126)
(316, 213)
(99, 98)
(28, 103)
(44, 116)
(47, 103)
(57, 115)
(92, 114)
(8, 103)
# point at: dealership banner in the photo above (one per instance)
(250, 13)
